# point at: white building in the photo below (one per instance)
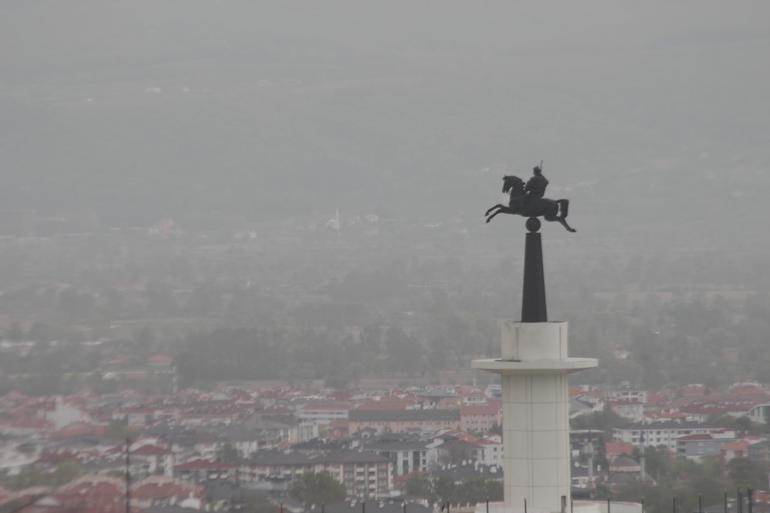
(627, 394)
(323, 413)
(628, 409)
(662, 433)
(760, 413)
(407, 455)
(492, 450)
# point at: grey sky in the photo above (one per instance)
(251, 105)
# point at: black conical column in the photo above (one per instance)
(533, 307)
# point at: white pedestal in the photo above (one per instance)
(586, 506)
(536, 450)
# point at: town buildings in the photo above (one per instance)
(207, 450)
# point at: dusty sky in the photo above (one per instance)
(648, 114)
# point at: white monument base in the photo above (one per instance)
(576, 507)
(536, 450)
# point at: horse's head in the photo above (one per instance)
(513, 185)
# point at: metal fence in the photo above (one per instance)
(742, 502)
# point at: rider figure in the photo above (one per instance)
(536, 185)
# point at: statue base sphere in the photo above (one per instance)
(533, 224)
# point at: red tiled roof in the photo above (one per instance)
(695, 389)
(690, 438)
(28, 422)
(657, 399)
(624, 402)
(387, 404)
(57, 457)
(466, 437)
(160, 360)
(201, 464)
(326, 407)
(615, 447)
(79, 429)
(480, 409)
(738, 445)
(161, 488)
(150, 450)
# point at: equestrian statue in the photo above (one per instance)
(528, 200)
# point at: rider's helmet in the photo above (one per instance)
(537, 170)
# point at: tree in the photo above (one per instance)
(317, 488)
(605, 420)
(405, 352)
(478, 490)
(658, 463)
(445, 489)
(35, 475)
(602, 491)
(228, 454)
(744, 473)
(471, 491)
(118, 429)
(421, 486)
(259, 505)
(743, 424)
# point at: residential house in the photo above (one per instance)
(656, 434)
(408, 454)
(166, 491)
(625, 464)
(480, 418)
(703, 445)
(151, 459)
(614, 448)
(760, 413)
(364, 473)
(201, 471)
(491, 450)
(323, 413)
(399, 421)
(627, 393)
(628, 409)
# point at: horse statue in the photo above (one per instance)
(530, 206)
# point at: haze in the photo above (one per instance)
(230, 227)
(649, 115)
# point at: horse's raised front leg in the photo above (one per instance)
(491, 209)
(502, 209)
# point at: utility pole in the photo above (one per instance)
(750, 499)
(128, 475)
(642, 461)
